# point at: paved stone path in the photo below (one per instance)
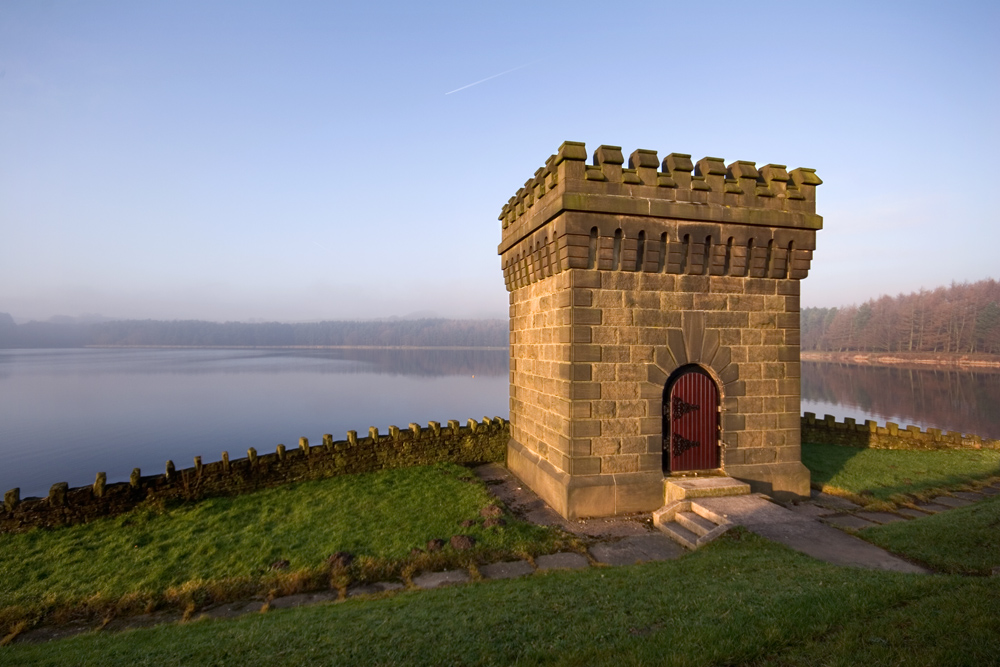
(614, 541)
(845, 514)
(803, 533)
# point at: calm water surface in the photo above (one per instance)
(67, 414)
(966, 401)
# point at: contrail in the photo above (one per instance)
(487, 79)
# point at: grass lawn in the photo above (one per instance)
(886, 474)
(220, 548)
(963, 541)
(740, 600)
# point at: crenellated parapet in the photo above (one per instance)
(871, 435)
(676, 216)
(474, 442)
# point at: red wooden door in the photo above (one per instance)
(690, 420)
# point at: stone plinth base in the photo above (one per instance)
(781, 481)
(582, 496)
(577, 497)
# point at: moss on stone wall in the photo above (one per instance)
(870, 435)
(477, 442)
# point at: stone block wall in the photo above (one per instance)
(476, 442)
(541, 373)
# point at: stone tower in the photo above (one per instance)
(654, 316)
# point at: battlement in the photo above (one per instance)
(738, 193)
(872, 435)
(678, 216)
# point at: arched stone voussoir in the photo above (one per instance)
(709, 347)
(665, 361)
(656, 375)
(721, 360)
(693, 330)
(678, 348)
(729, 374)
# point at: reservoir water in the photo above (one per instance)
(952, 400)
(67, 414)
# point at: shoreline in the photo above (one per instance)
(273, 347)
(916, 359)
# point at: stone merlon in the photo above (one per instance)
(675, 188)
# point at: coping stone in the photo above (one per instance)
(933, 508)
(881, 517)
(968, 495)
(564, 560)
(508, 570)
(149, 620)
(372, 589)
(49, 633)
(437, 579)
(384, 586)
(951, 502)
(836, 502)
(300, 599)
(637, 549)
(849, 521)
(811, 509)
(232, 609)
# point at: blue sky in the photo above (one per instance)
(302, 160)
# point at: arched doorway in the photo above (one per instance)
(690, 421)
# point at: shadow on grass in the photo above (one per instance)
(880, 474)
(740, 600)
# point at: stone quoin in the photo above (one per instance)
(634, 289)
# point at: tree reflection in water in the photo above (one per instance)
(953, 400)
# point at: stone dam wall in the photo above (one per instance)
(870, 435)
(476, 442)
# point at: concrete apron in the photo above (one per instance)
(805, 534)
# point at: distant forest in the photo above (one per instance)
(960, 319)
(392, 333)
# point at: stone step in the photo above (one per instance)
(689, 524)
(686, 488)
(700, 508)
(695, 523)
(680, 534)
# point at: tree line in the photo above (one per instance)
(398, 333)
(963, 318)
(960, 319)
